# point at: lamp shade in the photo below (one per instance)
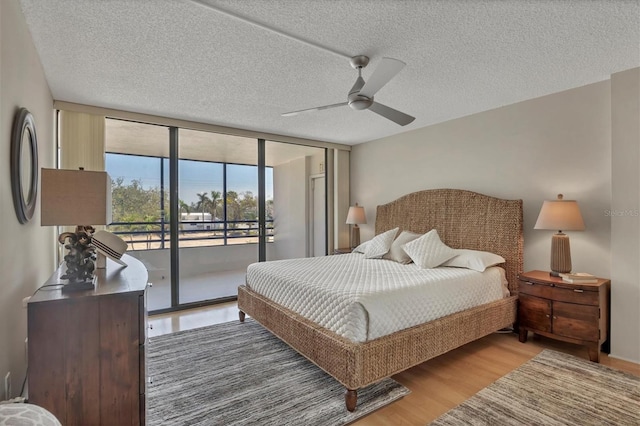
(356, 215)
(560, 215)
(75, 197)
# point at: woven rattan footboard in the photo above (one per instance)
(356, 365)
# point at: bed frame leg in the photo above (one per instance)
(241, 315)
(351, 399)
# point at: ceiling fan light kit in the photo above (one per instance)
(360, 96)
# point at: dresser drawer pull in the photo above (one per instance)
(547, 315)
(528, 283)
(577, 290)
(150, 380)
(150, 284)
(150, 326)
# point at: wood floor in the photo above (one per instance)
(436, 385)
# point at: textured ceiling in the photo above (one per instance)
(182, 59)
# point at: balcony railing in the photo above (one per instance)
(155, 235)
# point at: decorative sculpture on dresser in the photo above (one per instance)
(81, 256)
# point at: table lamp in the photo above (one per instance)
(354, 217)
(559, 215)
(76, 198)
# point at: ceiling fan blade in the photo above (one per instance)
(387, 69)
(288, 114)
(392, 114)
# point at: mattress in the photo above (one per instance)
(364, 299)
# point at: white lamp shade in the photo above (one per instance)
(560, 215)
(356, 215)
(75, 197)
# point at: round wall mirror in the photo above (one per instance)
(24, 165)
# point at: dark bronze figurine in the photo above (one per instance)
(81, 256)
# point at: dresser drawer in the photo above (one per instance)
(561, 294)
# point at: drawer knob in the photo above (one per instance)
(150, 326)
(150, 284)
(577, 290)
(547, 315)
(150, 380)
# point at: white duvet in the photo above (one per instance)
(363, 299)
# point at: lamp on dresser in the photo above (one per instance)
(77, 198)
(560, 215)
(355, 217)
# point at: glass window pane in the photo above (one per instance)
(216, 248)
(139, 170)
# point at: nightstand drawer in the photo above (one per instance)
(561, 294)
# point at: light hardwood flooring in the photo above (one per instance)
(436, 385)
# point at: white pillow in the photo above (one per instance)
(428, 251)
(474, 259)
(361, 248)
(380, 244)
(396, 252)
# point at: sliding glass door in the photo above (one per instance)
(218, 228)
(137, 163)
(297, 203)
(237, 201)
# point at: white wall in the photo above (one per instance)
(26, 251)
(532, 150)
(625, 211)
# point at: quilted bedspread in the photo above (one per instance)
(363, 299)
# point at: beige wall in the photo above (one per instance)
(560, 143)
(26, 251)
(532, 150)
(625, 211)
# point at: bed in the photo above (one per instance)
(463, 219)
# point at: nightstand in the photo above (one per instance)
(343, 250)
(575, 313)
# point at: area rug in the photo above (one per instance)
(553, 389)
(233, 373)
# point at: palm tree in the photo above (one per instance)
(184, 206)
(215, 197)
(203, 203)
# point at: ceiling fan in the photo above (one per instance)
(361, 94)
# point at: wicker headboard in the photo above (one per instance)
(464, 219)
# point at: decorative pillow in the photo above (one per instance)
(380, 244)
(361, 248)
(474, 259)
(396, 252)
(428, 251)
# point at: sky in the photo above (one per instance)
(194, 176)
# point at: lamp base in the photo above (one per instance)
(560, 254)
(355, 236)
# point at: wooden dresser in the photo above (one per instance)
(87, 349)
(576, 313)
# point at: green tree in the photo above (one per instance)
(215, 197)
(204, 203)
(133, 202)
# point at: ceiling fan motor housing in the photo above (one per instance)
(359, 102)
